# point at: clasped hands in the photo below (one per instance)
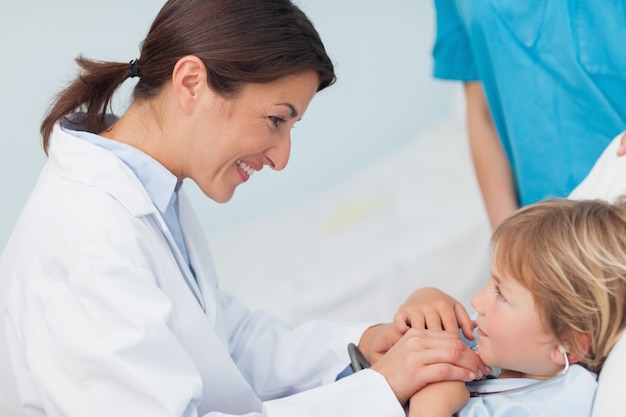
(422, 345)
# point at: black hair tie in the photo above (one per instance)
(133, 71)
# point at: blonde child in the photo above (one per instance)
(548, 316)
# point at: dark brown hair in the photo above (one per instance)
(239, 41)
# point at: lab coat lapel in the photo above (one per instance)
(202, 337)
(231, 382)
(199, 256)
(90, 164)
(190, 280)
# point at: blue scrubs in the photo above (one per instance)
(554, 73)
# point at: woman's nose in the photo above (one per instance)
(278, 155)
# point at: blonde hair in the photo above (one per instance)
(571, 255)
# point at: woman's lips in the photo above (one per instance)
(245, 167)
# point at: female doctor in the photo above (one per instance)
(112, 307)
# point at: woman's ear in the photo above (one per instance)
(189, 80)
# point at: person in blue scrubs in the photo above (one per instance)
(545, 86)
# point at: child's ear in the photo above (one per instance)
(558, 355)
(573, 355)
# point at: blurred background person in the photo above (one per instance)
(544, 84)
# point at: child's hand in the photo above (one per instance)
(430, 308)
(441, 399)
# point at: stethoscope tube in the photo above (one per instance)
(525, 387)
(358, 361)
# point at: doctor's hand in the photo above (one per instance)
(422, 357)
(430, 308)
(378, 339)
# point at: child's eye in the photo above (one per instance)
(499, 294)
(276, 120)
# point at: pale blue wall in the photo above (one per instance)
(384, 95)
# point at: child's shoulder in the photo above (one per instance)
(571, 395)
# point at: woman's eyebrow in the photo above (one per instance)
(294, 112)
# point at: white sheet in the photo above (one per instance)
(607, 178)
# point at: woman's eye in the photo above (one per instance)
(276, 120)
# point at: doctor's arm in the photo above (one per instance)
(302, 357)
(306, 356)
(421, 357)
(493, 171)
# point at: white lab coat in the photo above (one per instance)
(102, 316)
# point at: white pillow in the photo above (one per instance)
(610, 400)
(607, 180)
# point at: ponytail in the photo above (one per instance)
(239, 42)
(90, 92)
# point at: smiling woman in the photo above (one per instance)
(216, 141)
(111, 301)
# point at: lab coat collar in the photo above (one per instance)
(85, 163)
(80, 161)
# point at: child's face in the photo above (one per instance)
(510, 333)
